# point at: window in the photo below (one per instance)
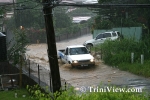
(73, 51)
(100, 36)
(114, 34)
(107, 35)
(80, 50)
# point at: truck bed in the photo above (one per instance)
(62, 50)
(60, 53)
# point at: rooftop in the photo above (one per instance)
(74, 46)
(6, 1)
(80, 18)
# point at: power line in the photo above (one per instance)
(13, 3)
(22, 8)
(107, 5)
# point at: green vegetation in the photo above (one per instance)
(19, 47)
(63, 21)
(17, 50)
(71, 94)
(29, 15)
(36, 93)
(10, 94)
(136, 68)
(108, 18)
(118, 53)
(101, 96)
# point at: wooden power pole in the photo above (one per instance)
(51, 42)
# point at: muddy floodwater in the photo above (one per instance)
(84, 78)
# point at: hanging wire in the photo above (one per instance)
(28, 8)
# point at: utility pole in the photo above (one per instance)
(51, 42)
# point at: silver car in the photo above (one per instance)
(100, 38)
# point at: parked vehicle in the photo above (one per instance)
(90, 2)
(76, 55)
(100, 38)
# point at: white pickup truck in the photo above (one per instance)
(76, 55)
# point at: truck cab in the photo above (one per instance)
(77, 55)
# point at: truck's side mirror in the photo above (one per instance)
(66, 52)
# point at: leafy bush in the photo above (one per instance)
(38, 93)
(118, 53)
(103, 24)
(19, 46)
(115, 52)
(71, 94)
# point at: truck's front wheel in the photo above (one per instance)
(71, 64)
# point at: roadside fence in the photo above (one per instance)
(10, 76)
(41, 74)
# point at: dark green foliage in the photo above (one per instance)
(61, 19)
(116, 52)
(71, 94)
(10, 94)
(123, 17)
(20, 39)
(38, 93)
(70, 30)
(136, 68)
(104, 24)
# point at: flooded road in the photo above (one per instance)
(100, 75)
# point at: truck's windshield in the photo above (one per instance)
(79, 50)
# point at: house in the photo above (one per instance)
(79, 19)
(6, 1)
(8, 4)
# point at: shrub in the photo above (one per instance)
(71, 94)
(115, 52)
(118, 53)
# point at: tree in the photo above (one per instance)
(61, 19)
(125, 17)
(18, 49)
